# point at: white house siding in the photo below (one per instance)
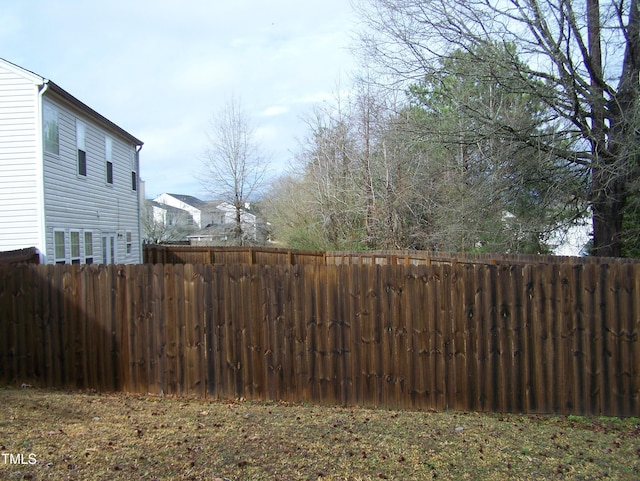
(168, 199)
(19, 166)
(88, 203)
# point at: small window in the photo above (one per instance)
(50, 130)
(82, 148)
(129, 243)
(88, 247)
(75, 246)
(82, 163)
(108, 149)
(109, 172)
(108, 155)
(59, 248)
(134, 181)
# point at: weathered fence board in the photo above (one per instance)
(488, 337)
(186, 254)
(29, 255)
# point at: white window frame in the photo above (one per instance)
(57, 259)
(129, 242)
(75, 257)
(81, 144)
(50, 130)
(108, 156)
(88, 247)
(109, 248)
(134, 170)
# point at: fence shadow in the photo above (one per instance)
(55, 332)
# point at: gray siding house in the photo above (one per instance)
(69, 177)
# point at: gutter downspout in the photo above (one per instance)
(138, 180)
(42, 228)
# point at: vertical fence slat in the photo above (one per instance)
(357, 316)
(210, 329)
(578, 355)
(387, 313)
(608, 320)
(411, 397)
(623, 368)
(155, 278)
(371, 337)
(311, 329)
(437, 325)
(519, 369)
(566, 341)
(634, 339)
(245, 305)
(256, 336)
(299, 360)
(595, 338)
(460, 337)
(491, 340)
(553, 354)
(171, 331)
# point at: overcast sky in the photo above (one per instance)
(160, 69)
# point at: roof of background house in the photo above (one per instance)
(167, 207)
(191, 200)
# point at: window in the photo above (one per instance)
(134, 169)
(108, 154)
(50, 130)
(109, 249)
(108, 149)
(129, 243)
(82, 162)
(82, 148)
(88, 247)
(75, 246)
(109, 172)
(59, 248)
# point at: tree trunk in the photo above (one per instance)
(611, 167)
(237, 232)
(608, 201)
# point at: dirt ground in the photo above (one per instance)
(60, 435)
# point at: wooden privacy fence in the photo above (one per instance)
(178, 254)
(181, 254)
(534, 338)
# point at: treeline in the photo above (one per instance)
(420, 171)
(475, 128)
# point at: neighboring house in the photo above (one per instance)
(69, 177)
(163, 223)
(170, 216)
(574, 241)
(201, 213)
(212, 222)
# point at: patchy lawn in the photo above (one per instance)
(79, 436)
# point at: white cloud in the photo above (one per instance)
(274, 111)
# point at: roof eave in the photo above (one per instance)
(53, 87)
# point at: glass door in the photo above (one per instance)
(109, 249)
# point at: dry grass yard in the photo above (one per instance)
(84, 436)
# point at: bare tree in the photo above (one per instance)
(580, 58)
(234, 164)
(157, 230)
